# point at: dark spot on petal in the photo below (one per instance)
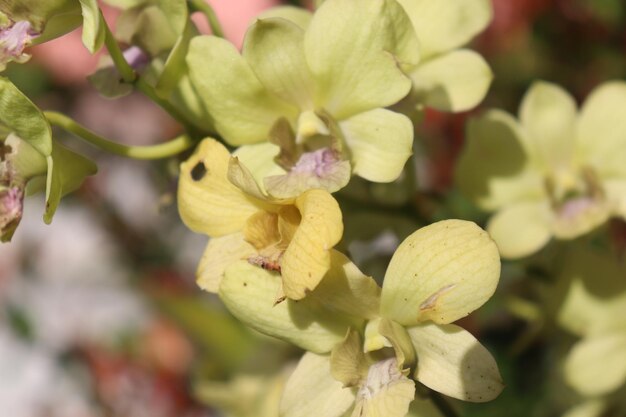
(245, 284)
(4, 150)
(198, 172)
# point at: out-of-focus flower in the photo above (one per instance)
(556, 172)
(317, 93)
(592, 295)
(217, 196)
(439, 274)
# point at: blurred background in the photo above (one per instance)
(100, 314)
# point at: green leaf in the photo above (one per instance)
(19, 115)
(66, 172)
(93, 25)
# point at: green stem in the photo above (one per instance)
(208, 12)
(127, 72)
(129, 76)
(163, 150)
(443, 405)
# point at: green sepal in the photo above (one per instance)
(66, 172)
(93, 25)
(153, 26)
(38, 12)
(19, 115)
(175, 65)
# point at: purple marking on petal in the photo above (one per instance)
(319, 162)
(574, 207)
(11, 206)
(15, 38)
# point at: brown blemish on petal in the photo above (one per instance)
(431, 301)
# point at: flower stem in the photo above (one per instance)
(443, 405)
(204, 8)
(127, 72)
(163, 150)
(130, 76)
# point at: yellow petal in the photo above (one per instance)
(373, 339)
(380, 142)
(312, 391)
(601, 132)
(442, 272)
(445, 25)
(207, 202)
(597, 365)
(220, 253)
(455, 81)
(307, 259)
(347, 290)
(242, 108)
(548, 114)
(578, 216)
(590, 408)
(521, 229)
(451, 361)
(400, 340)
(590, 293)
(386, 392)
(262, 230)
(297, 15)
(259, 159)
(239, 175)
(494, 169)
(249, 292)
(347, 360)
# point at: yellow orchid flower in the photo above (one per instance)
(366, 345)
(218, 196)
(557, 172)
